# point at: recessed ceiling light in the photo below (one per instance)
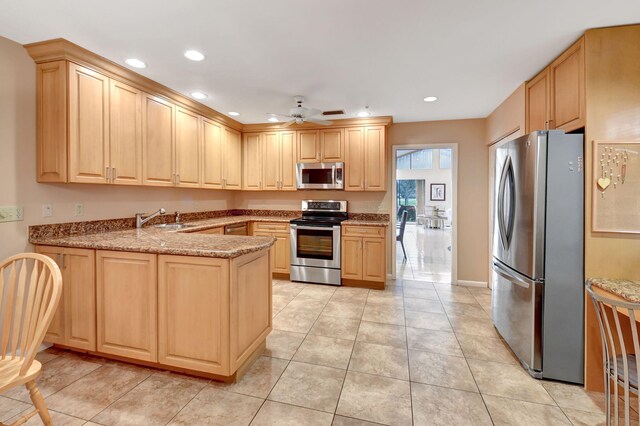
(273, 119)
(234, 114)
(136, 63)
(364, 113)
(430, 99)
(194, 55)
(199, 95)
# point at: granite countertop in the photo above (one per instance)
(627, 289)
(364, 222)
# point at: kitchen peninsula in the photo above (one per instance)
(179, 300)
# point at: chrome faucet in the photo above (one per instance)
(177, 217)
(141, 219)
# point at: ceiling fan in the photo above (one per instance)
(300, 114)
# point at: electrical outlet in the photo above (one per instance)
(79, 209)
(47, 210)
(11, 213)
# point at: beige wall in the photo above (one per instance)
(17, 168)
(613, 113)
(472, 184)
(359, 202)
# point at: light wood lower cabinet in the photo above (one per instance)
(193, 313)
(364, 251)
(281, 250)
(126, 296)
(73, 324)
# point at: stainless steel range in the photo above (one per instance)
(315, 242)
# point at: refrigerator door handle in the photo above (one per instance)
(506, 230)
(504, 273)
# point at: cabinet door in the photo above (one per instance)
(232, 159)
(354, 159)
(193, 313)
(282, 254)
(56, 332)
(212, 158)
(352, 258)
(271, 161)
(51, 121)
(158, 137)
(88, 125)
(187, 149)
(215, 231)
(252, 161)
(80, 298)
(568, 89)
(537, 102)
(308, 146)
(127, 300)
(375, 164)
(374, 260)
(125, 134)
(288, 161)
(332, 144)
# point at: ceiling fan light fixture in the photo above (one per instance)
(273, 119)
(194, 55)
(430, 99)
(234, 114)
(136, 63)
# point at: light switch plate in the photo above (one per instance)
(11, 213)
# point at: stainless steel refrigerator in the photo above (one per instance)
(538, 240)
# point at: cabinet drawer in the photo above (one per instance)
(218, 230)
(367, 231)
(279, 227)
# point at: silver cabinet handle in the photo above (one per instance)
(63, 262)
(178, 179)
(106, 174)
(113, 174)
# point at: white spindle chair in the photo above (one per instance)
(30, 289)
(620, 368)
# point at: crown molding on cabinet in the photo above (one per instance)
(386, 120)
(61, 49)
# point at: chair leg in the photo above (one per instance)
(403, 250)
(38, 401)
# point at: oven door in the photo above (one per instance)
(317, 246)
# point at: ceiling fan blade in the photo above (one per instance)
(312, 112)
(319, 121)
(279, 115)
(288, 123)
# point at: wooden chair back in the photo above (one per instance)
(30, 289)
(621, 356)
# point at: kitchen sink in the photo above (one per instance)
(173, 226)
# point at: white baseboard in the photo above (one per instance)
(482, 284)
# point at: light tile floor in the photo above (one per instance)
(428, 254)
(416, 353)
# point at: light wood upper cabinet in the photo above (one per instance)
(332, 145)
(51, 120)
(125, 134)
(126, 299)
(187, 157)
(278, 161)
(375, 160)
(74, 323)
(193, 313)
(315, 146)
(567, 88)
(88, 125)
(212, 155)
(308, 142)
(252, 161)
(537, 99)
(158, 141)
(232, 165)
(555, 98)
(365, 158)
(354, 159)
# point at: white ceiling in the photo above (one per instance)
(388, 54)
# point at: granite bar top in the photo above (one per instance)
(627, 289)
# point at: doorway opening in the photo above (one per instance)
(424, 197)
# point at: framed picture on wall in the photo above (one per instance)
(438, 192)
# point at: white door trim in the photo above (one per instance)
(454, 205)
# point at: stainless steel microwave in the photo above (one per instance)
(320, 176)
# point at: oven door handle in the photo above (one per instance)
(314, 228)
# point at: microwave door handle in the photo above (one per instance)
(333, 174)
